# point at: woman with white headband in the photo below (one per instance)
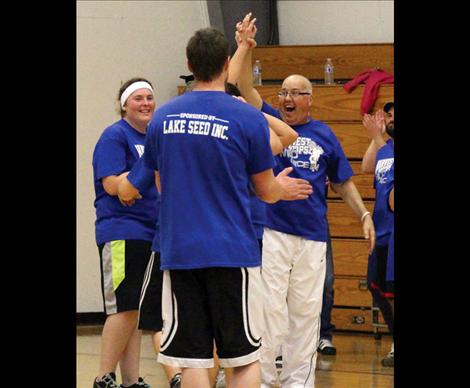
(124, 235)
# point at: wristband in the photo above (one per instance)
(364, 216)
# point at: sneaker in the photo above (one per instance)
(175, 381)
(326, 347)
(279, 362)
(389, 360)
(107, 381)
(140, 384)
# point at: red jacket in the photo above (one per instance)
(373, 78)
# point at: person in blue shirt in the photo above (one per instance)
(123, 234)
(379, 159)
(207, 148)
(295, 234)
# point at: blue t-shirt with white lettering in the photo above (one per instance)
(315, 155)
(383, 183)
(117, 150)
(143, 179)
(206, 145)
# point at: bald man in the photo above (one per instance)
(296, 232)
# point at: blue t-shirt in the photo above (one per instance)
(117, 150)
(383, 184)
(143, 179)
(315, 155)
(206, 145)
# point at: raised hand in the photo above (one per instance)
(374, 125)
(246, 31)
(380, 119)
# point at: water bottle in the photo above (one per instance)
(329, 72)
(257, 73)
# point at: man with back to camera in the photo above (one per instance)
(207, 147)
(295, 234)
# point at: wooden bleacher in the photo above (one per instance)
(348, 59)
(331, 103)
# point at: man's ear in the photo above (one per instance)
(190, 68)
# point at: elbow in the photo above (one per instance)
(365, 169)
(287, 140)
(110, 189)
(112, 193)
(291, 138)
(277, 148)
(337, 188)
(245, 89)
(343, 188)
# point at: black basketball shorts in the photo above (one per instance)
(150, 310)
(203, 305)
(123, 264)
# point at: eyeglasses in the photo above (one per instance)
(292, 93)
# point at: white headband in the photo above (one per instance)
(132, 88)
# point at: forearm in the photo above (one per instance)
(368, 160)
(353, 199)
(350, 195)
(266, 186)
(272, 194)
(283, 131)
(271, 190)
(236, 62)
(245, 83)
(111, 183)
(126, 190)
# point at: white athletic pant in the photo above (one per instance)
(293, 273)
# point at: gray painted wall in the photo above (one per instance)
(331, 22)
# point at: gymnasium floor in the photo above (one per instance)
(356, 364)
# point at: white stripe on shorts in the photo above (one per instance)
(108, 288)
(248, 319)
(169, 314)
(146, 282)
(147, 276)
